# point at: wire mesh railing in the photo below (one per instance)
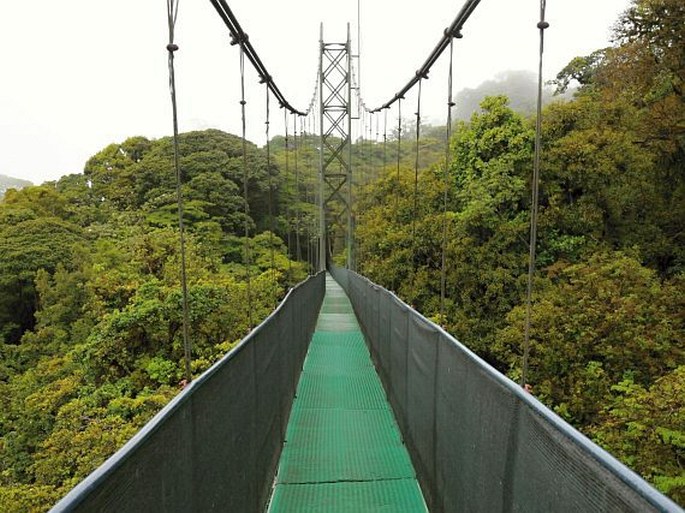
(215, 447)
(478, 441)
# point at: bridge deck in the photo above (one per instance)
(343, 451)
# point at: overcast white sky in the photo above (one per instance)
(76, 75)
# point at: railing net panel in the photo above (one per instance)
(215, 447)
(478, 442)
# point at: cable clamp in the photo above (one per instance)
(456, 33)
(171, 47)
(239, 39)
(543, 25)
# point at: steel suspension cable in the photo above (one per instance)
(416, 162)
(415, 209)
(385, 139)
(372, 145)
(247, 257)
(298, 249)
(310, 166)
(303, 183)
(375, 144)
(307, 156)
(448, 34)
(361, 128)
(398, 190)
(443, 258)
(240, 37)
(318, 189)
(272, 220)
(399, 149)
(288, 213)
(360, 146)
(172, 47)
(542, 25)
(377, 133)
(315, 188)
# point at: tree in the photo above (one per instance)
(112, 171)
(580, 70)
(487, 242)
(91, 303)
(25, 248)
(593, 324)
(644, 426)
(486, 251)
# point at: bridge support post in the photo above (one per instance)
(335, 157)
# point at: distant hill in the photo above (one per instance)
(7, 182)
(520, 86)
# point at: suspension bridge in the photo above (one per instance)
(345, 399)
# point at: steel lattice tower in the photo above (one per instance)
(335, 167)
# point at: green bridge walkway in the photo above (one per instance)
(343, 450)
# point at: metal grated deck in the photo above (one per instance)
(343, 451)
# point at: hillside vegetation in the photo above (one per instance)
(90, 299)
(90, 296)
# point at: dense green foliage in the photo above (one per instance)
(609, 295)
(90, 296)
(91, 306)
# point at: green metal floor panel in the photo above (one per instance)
(392, 496)
(336, 445)
(337, 305)
(337, 322)
(357, 392)
(338, 353)
(343, 450)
